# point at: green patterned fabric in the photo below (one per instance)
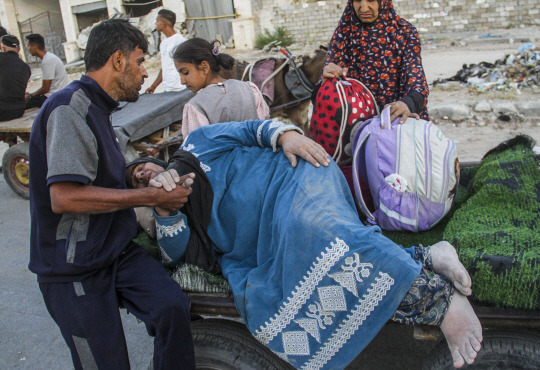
(495, 226)
(190, 278)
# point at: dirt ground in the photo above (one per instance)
(443, 55)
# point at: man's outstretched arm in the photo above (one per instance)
(73, 197)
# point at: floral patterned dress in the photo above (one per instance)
(384, 55)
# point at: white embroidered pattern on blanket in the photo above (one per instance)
(354, 320)
(303, 292)
(328, 300)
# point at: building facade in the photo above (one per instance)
(308, 21)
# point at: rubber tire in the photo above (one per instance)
(228, 345)
(18, 150)
(501, 349)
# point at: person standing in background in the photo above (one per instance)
(168, 75)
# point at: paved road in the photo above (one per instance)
(29, 338)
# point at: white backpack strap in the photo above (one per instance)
(356, 178)
(385, 118)
(343, 124)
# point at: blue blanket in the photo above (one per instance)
(310, 281)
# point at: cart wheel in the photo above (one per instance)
(228, 345)
(501, 349)
(16, 167)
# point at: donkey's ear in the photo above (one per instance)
(323, 47)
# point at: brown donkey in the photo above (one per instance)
(285, 104)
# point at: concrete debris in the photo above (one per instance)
(453, 112)
(483, 106)
(514, 71)
(504, 107)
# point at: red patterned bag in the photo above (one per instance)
(339, 105)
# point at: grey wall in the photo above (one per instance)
(315, 21)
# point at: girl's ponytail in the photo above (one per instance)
(197, 50)
(225, 60)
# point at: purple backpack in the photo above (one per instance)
(411, 169)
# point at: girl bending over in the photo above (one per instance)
(218, 100)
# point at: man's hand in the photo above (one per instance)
(294, 144)
(176, 197)
(332, 70)
(169, 180)
(400, 109)
(150, 90)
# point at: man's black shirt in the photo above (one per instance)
(14, 76)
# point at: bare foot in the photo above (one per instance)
(446, 263)
(462, 330)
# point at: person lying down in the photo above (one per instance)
(309, 279)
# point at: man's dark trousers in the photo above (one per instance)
(88, 315)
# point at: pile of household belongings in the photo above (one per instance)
(514, 71)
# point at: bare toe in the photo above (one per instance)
(470, 353)
(476, 345)
(458, 360)
(462, 289)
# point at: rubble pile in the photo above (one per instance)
(514, 71)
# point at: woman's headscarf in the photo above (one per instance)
(384, 55)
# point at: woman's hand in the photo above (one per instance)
(294, 144)
(170, 179)
(332, 70)
(400, 109)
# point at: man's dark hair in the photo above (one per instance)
(3, 31)
(108, 37)
(168, 15)
(37, 40)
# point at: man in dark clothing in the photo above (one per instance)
(82, 221)
(14, 76)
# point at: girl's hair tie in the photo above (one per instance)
(215, 50)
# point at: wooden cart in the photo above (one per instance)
(222, 341)
(15, 162)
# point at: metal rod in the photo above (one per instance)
(214, 17)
